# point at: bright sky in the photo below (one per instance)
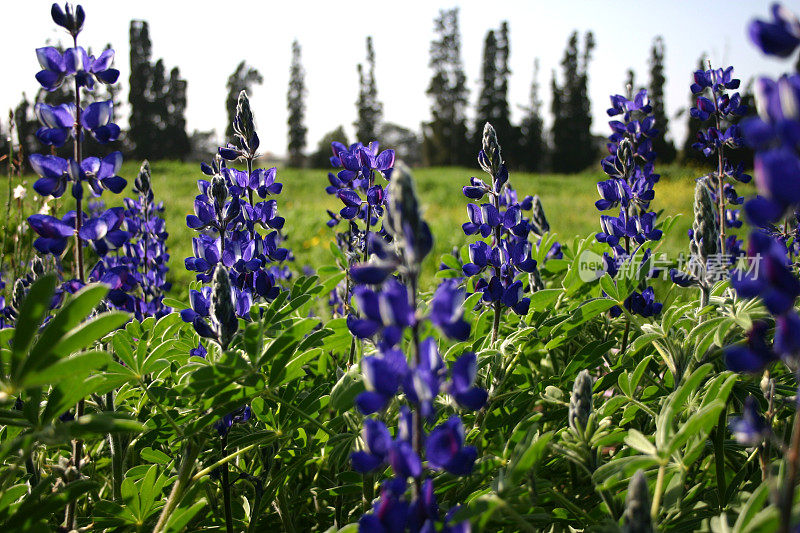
(206, 39)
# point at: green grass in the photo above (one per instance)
(568, 201)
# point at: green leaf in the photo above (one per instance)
(675, 402)
(531, 456)
(542, 299)
(639, 442)
(80, 364)
(698, 425)
(609, 287)
(82, 336)
(31, 317)
(154, 456)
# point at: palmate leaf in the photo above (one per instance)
(52, 358)
(31, 316)
(37, 508)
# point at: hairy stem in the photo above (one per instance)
(659, 489)
(77, 444)
(790, 481)
(190, 453)
(115, 443)
(226, 488)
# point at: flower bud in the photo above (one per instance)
(637, 506)
(18, 295)
(491, 149)
(705, 234)
(223, 315)
(141, 184)
(71, 19)
(243, 124)
(580, 401)
(219, 190)
(538, 220)
(403, 220)
(37, 267)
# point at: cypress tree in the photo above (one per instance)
(370, 109)
(573, 145)
(509, 135)
(242, 79)
(492, 105)
(533, 143)
(486, 108)
(157, 123)
(175, 135)
(445, 136)
(664, 147)
(295, 97)
(141, 124)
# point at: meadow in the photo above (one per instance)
(567, 201)
(547, 376)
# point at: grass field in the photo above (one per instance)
(568, 202)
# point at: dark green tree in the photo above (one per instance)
(445, 136)
(178, 145)
(321, 158)
(157, 123)
(242, 79)
(370, 109)
(487, 108)
(142, 129)
(295, 99)
(663, 146)
(574, 148)
(534, 145)
(493, 97)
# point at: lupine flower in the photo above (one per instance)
(388, 312)
(779, 37)
(445, 450)
(495, 266)
(53, 233)
(223, 425)
(229, 219)
(750, 428)
(724, 109)
(630, 167)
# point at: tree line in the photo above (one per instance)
(157, 107)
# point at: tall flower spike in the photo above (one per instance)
(223, 315)
(637, 506)
(580, 401)
(244, 126)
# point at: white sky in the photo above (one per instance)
(207, 39)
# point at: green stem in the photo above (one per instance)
(116, 454)
(792, 459)
(226, 489)
(190, 453)
(719, 458)
(206, 471)
(160, 408)
(658, 492)
(281, 401)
